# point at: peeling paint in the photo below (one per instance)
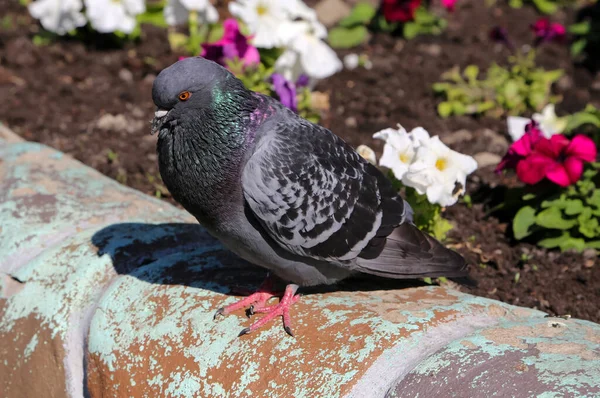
(30, 347)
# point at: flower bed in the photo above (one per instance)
(92, 99)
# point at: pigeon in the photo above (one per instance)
(281, 192)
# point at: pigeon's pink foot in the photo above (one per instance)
(282, 309)
(257, 304)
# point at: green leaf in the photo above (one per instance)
(580, 28)
(585, 187)
(546, 6)
(551, 243)
(511, 89)
(154, 17)
(523, 220)
(551, 218)
(585, 215)
(423, 16)
(594, 199)
(581, 118)
(361, 14)
(268, 56)
(578, 46)
(553, 75)
(411, 30)
(573, 207)
(445, 109)
(383, 25)
(595, 244)
(485, 106)
(560, 203)
(564, 242)
(471, 73)
(216, 32)
(571, 243)
(177, 40)
(41, 40)
(588, 228)
(347, 37)
(458, 108)
(440, 228)
(440, 87)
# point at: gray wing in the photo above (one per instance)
(317, 198)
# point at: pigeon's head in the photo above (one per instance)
(185, 86)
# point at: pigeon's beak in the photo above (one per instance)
(157, 122)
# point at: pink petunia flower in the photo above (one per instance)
(558, 159)
(449, 4)
(521, 148)
(547, 31)
(232, 45)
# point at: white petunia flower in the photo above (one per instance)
(58, 16)
(107, 16)
(425, 164)
(298, 9)
(419, 136)
(177, 12)
(516, 126)
(316, 58)
(398, 151)
(263, 18)
(288, 64)
(436, 170)
(549, 123)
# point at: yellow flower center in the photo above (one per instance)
(441, 164)
(261, 9)
(404, 158)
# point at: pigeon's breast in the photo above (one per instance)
(204, 179)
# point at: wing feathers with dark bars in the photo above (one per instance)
(316, 197)
(410, 253)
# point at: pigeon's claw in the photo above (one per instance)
(220, 311)
(256, 303)
(281, 309)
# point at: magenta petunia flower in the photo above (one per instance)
(558, 159)
(521, 148)
(232, 45)
(449, 4)
(399, 10)
(547, 31)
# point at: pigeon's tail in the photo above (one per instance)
(410, 253)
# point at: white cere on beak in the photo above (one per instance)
(160, 113)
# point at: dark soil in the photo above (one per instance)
(93, 101)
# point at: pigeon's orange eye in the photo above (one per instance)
(184, 96)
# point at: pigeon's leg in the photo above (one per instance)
(255, 300)
(282, 309)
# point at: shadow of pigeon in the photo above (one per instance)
(186, 254)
